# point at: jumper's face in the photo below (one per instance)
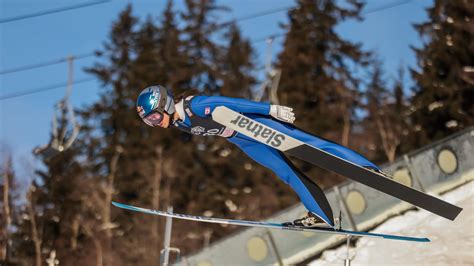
(157, 119)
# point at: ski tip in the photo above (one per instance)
(407, 238)
(425, 240)
(120, 205)
(415, 239)
(126, 207)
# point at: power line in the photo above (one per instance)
(388, 6)
(256, 15)
(375, 10)
(52, 87)
(252, 16)
(54, 62)
(9, 96)
(39, 65)
(51, 11)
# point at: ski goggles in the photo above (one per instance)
(153, 119)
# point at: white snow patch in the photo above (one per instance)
(452, 242)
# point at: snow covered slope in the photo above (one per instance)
(452, 242)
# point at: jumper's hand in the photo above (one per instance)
(282, 113)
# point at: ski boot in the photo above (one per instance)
(310, 220)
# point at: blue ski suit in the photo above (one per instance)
(198, 121)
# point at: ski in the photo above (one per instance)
(269, 225)
(318, 157)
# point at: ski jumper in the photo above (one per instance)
(197, 111)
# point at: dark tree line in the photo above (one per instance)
(444, 92)
(67, 213)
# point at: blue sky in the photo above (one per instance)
(26, 121)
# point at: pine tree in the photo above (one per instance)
(154, 161)
(124, 74)
(52, 203)
(444, 91)
(202, 52)
(237, 65)
(138, 56)
(318, 68)
(173, 60)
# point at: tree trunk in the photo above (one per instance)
(98, 248)
(109, 192)
(346, 130)
(34, 230)
(99, 258)
(389, 141)
(391, 153)
(6, 209)
(75, 232)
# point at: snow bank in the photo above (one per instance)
(452, 243)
